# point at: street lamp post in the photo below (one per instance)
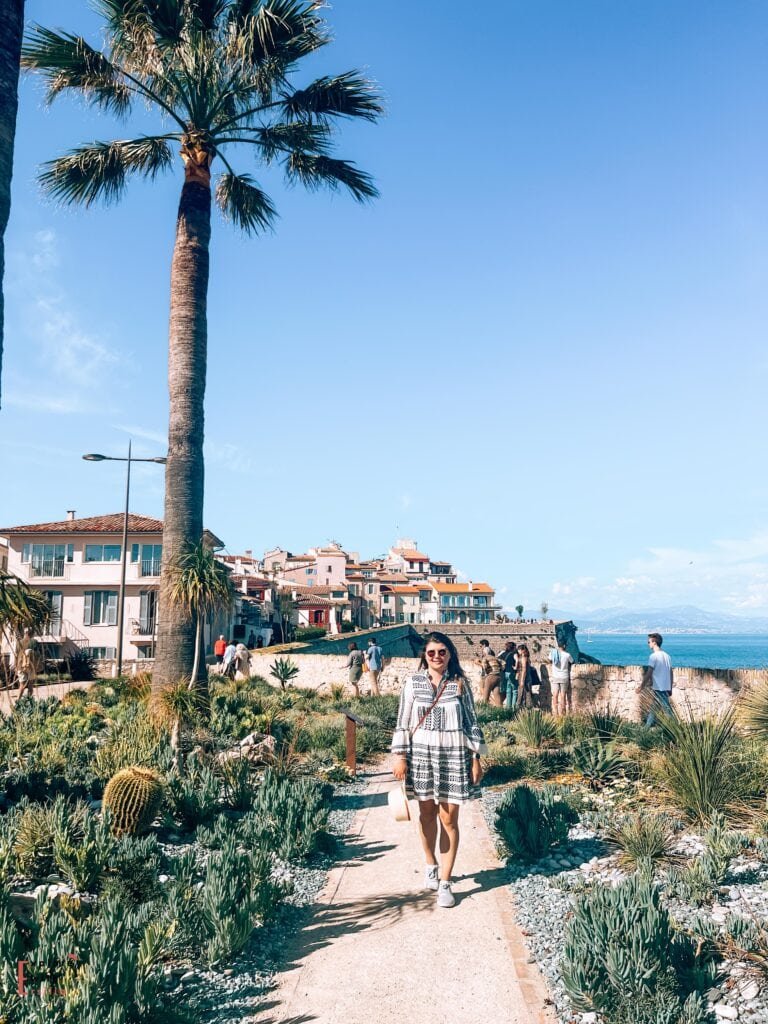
(121, 598)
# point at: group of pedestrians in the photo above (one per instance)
(511, 680)
(370, 661)
(232, 660)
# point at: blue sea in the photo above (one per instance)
(689, 650)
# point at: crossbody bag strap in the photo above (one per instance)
(423, 718)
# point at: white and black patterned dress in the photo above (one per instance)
(440, 751)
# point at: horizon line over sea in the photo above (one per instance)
(687, 650)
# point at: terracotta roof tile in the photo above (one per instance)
(462, 588)
(92, 524)
(410, 555)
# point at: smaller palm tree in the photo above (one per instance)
(200, 585)
(519, 609)
(21, 607)
(284, 670)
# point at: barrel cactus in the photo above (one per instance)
(133, 797)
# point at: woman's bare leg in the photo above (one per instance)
(449, 839)
(428, 829)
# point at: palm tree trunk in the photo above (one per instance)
(198, 648)
(11, 30)
(187, 354)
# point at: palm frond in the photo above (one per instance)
(316, 172)
(69, 62)
(264, 29)
(275, 139)
(347, 95)
(206, 13)
(199, 583)
(244, 203)
(99, 171)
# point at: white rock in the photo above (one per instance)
(726, 1011)
(589, 1018)
(750, 991)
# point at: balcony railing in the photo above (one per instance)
(150, 567)
(48, 568)
(144, 627)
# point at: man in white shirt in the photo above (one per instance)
(560, 679)
(659, 675)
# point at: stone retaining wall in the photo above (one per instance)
(704, 689)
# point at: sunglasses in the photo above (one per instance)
(442, 653)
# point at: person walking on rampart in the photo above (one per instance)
(374, 659)
(355, 666)
(658, 675)
(491, 670)
(437, 746)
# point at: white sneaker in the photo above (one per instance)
(430, 878)
(445, 897)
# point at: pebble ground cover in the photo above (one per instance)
(638, 860)
(165, 894)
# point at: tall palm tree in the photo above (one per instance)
(220, 74)
(11, 30)
(200, 585)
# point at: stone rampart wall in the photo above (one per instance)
(705, 689)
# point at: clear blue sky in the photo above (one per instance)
(541, 353)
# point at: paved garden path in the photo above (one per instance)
(378, 950)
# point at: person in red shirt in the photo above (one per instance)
(219, 647)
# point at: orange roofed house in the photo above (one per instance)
(465, 602)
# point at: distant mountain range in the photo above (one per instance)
(683, 618)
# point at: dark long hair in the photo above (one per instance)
(454, 669)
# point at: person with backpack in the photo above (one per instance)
(560, 679)
(491, 671)
(374, 659)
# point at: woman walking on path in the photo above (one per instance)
(437, 746)
(355, 666)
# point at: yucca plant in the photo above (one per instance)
(533, 727)
(700, 765)
(214, 74)
(752, 708)
(604, 722)
(644, 839)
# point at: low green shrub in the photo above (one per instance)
(238, 892)
(133, 871)
(530, 821)
(304, 633)
(698, 880)
(624, 959)
(293, 813)
(82, 849)
(193, 797)
(239, 783)
(36, 829)
(604, 722)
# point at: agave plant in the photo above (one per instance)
(284, 670)
(598, 762)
